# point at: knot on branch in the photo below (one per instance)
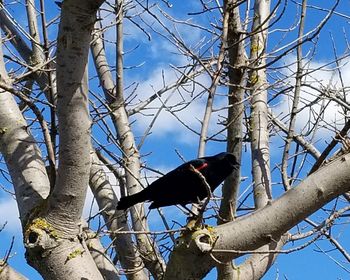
(197, 241)
(192, 250)
(39, 235)
(204, 242)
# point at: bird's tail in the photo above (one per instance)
(128, 201)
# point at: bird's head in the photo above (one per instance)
(230, 159)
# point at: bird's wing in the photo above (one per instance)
(177, 182)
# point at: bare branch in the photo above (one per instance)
(259, 113)
(115, 220)
(293, 115)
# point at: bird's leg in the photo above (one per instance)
(190, 212)
(202, 205)
(149, 211)
(191, 218)
(194, 221)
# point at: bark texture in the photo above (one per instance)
(53, 236)
(8, 273)
(131, 156)
(259, 112)
(22, 156)
(115, 221)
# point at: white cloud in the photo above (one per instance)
(323, 78)
(158, 56)
(10, 216)
(186, 106)
(90, 206)
(147, 40)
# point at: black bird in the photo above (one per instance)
(183, 185)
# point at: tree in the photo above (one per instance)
(247, 71)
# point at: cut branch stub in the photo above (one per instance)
(191, 249)
(39, 235)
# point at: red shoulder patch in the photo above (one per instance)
(204, 165)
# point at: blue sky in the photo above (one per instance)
(155, 60)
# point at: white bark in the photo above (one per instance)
(68, 197)
(99, 254)
(258, 264)
(8, 273)
(212, 89)
(16, 39)
(131, 156)
(237, 81)
(115, 220)
(53, 236)
(37, 55)
(103, 262)
(259, 113)
(237, 59)
(31, 57)
(22, 156)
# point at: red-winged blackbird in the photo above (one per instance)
(183, 185)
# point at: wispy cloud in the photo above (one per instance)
(314, 105)
(10, 216)
(180, 111)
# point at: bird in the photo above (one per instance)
(184, 185)
(59, 4)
